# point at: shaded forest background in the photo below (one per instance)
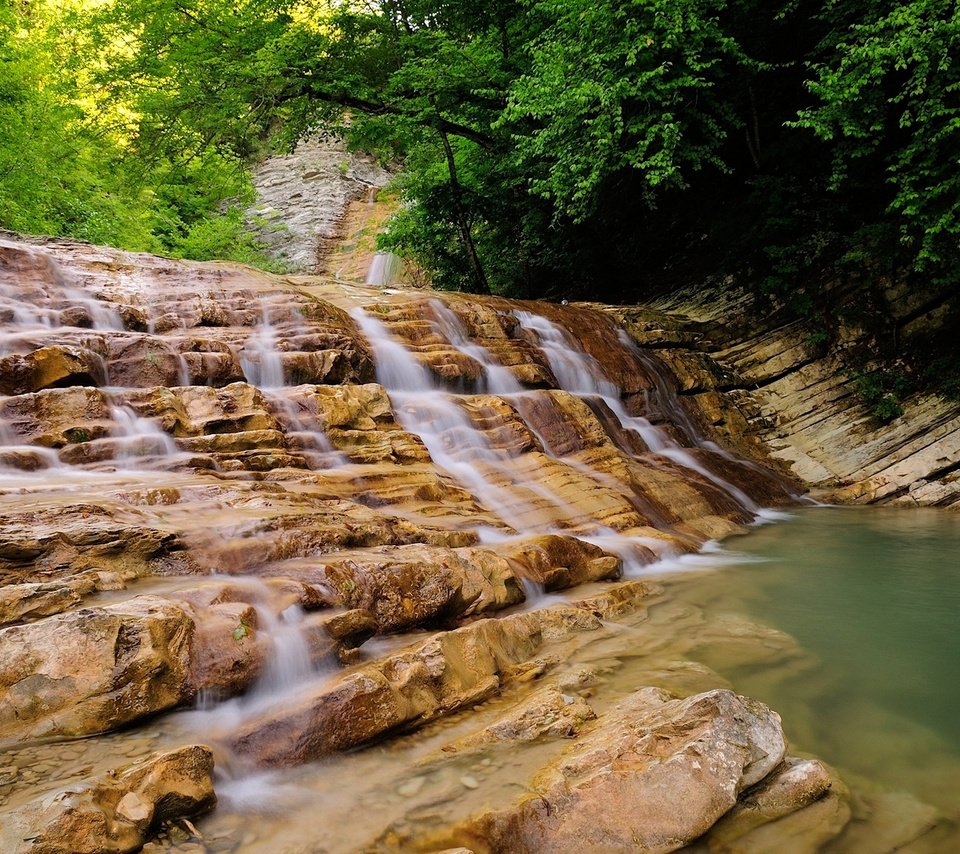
(603, 149)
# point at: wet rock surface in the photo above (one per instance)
(764, 384)
(655, 773)
(115, 813)
(303, 517)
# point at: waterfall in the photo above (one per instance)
(423, 407)
(262, 365)
(496, 378)
(384, 269)
(139, 438)
(579, 373)
(261, 361)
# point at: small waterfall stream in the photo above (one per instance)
(262, 364)
(579, 373)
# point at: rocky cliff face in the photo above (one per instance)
(763, 385)
(323, 515)
(303, 199)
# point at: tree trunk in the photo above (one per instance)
(479, 277)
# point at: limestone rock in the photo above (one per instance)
(558, 562)
(50, 366)
(547, 712)
(448, 671)
(30, 601)
(54, 543)
(93, 670)
(798, 808)
(115, 813)
(55, 418)
(654, 774)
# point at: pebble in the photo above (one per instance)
(469, 782)
(411, 787)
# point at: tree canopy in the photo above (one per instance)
(549, 147)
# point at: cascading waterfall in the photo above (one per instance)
(262, 365)
(579, 373)
(384, 269)
(515, 449)
(497, 379)
(260, 359)
(423, 407)
(139, 438)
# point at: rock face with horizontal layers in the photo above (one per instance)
(765, 385)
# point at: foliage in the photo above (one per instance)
(71, 163)
(883, 390)
(888, 100)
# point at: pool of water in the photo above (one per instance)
(872, 597)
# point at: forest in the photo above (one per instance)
(546, 148)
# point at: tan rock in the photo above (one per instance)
(448, 671)
(797, 808)
(50, 366)
(58, 417)
(29, 601)
(117, 812)
(94, 669)
(558, 562)
(545, 713)
(653, 774)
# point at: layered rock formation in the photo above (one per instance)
(323, 515)
(303, 197)
(766, 384)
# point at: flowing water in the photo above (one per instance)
(842, 620)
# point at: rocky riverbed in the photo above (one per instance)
(251, 523)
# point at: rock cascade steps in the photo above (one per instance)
(319, 515)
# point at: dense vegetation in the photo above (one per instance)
(551, 147)
(75, 162)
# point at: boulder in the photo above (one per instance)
(799, 807)
(48, 367)
(116, 812)
(93, 670)
(654, 774)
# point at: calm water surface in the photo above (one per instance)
(872, 596)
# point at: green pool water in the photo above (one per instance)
(872, 597)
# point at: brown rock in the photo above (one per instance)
(546, 712)
(558, 562)
(806, 791)
(50, 366)
(94, 669)
(654, 774)
(448, 671)
(115, 813)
